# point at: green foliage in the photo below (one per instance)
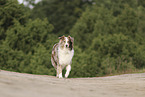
(10, 10)
(31, 39)
(110, 38)
(116, 51)
(40, 61)
(109, 35)
(10, 59)
(60, 13)
(94, 21)
(27, 45)
(108, 54)
(26, 37)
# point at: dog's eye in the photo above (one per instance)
(64, 41)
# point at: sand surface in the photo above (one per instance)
(14, 84)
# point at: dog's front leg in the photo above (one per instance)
(68, 69)
(59, 71)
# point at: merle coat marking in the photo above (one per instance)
(62, 54)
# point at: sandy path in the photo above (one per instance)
(14, 84)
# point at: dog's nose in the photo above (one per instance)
(66, 45)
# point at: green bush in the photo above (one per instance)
(10, 59)
(26, 37)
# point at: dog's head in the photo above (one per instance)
(66, 42)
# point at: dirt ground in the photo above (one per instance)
(14, 84)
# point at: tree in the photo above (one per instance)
(10, 10)
(94, 21)
(62, 14)
(26, 46)
(99, 19)
(110, 36)
(26, 37)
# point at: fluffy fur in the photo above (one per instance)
(62, 54)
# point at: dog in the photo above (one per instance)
(62, 54)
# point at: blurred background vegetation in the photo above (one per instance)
(109, 35)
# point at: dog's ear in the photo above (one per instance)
(72, 41)
(62, 37)
(71, 38)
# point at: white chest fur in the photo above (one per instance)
(65, 56)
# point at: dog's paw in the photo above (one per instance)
(60, 75)
(66, 75)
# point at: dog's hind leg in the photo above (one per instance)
(54, 63)
(68, 69)
(59, 71)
